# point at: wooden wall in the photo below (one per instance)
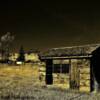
(80, 74)
(84, 66)
(78, 77)
(42, 74)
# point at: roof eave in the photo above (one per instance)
(66, 57)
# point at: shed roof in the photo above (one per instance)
(83, 50)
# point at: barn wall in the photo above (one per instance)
(42, 74)
(79, 72)
(84, 66)
(59, 79)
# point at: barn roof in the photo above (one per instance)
(83, 50)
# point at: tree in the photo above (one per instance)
(6, 45)
(21, 55)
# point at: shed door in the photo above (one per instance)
(49, 77)
(74, 75)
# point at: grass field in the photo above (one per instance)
(22, 83)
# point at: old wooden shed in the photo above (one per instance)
(75, 67)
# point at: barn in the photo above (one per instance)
(75, 68)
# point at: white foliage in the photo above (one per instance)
(5, 44)
(7, 37)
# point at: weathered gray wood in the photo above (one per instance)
(74, 82)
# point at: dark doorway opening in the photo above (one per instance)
(49, 76)
(95, 69)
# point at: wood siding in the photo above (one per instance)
(78, 77)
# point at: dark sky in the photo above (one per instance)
(47, 24)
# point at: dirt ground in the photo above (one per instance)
(22, 83)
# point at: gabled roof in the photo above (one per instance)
(83, 50)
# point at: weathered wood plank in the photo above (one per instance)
(84, 89)
(84, 82)
(84, 76)
(66, 61)
(85, 70)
